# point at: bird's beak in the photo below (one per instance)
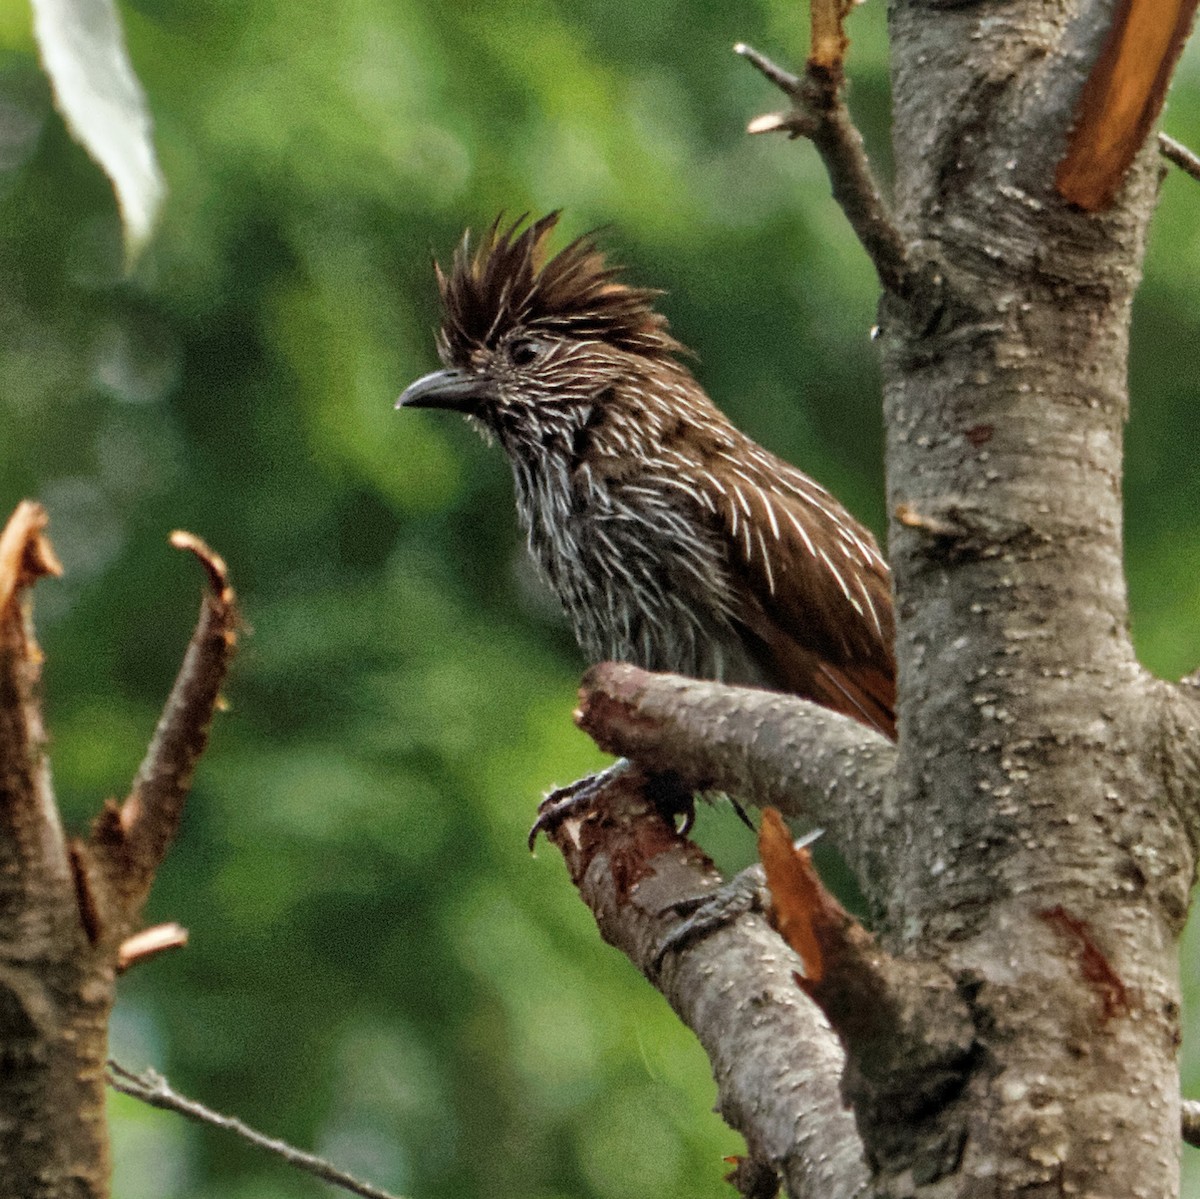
(455, 390)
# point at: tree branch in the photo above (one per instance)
(1186, 160)
(129, 843)
(1190, 1121)
(150, 1087)
(819, 113)
(33, 836)
(762, 747)
(66, 909)
(775, 1059)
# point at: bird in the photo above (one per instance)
(672, 539)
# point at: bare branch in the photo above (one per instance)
(33, 851)
(762, 747)
(1186, 160)
(148, 942)
(150, 1087)
(1190, 1120)
(819, 113)
(129, 842)
(775, 1059)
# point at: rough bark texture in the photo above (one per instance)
(66, 907)
(1028, 848)
(1030, 770)
(735, 990)
(52, 1136)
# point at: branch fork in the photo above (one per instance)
(903, 1029)
(130, 840)
(69, 908)
(735, 988)
(819, 113)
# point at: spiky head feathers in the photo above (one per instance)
(509, 281)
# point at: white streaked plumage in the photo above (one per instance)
(672, 540)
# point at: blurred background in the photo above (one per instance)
(377, 968)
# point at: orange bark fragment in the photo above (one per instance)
(1122, 98)
(795, 891)
(829, 40)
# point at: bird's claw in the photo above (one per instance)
(745, 892)
(572, 799)
(665, 791)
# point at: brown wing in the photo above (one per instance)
(818, 592)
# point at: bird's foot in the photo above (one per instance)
(574, 798)
(666, 792)
(745, 892)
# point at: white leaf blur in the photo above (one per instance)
(83, 53)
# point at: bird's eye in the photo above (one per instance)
(524, 352)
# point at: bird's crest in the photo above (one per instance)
(509, 281)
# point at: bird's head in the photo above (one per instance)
(535, 347)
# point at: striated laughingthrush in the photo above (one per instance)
(672, 539)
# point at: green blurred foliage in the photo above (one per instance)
(377, 968)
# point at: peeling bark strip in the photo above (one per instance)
(1122, 97)
(907, 1032)
(66, 908)
(1028, 848)
(796, 894)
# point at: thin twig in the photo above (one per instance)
(819, 113)
(150, 1087)
(1186, 160)
(148, 942)
(783, 79)
(1190, 1121)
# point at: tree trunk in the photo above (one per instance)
(1041, 851)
